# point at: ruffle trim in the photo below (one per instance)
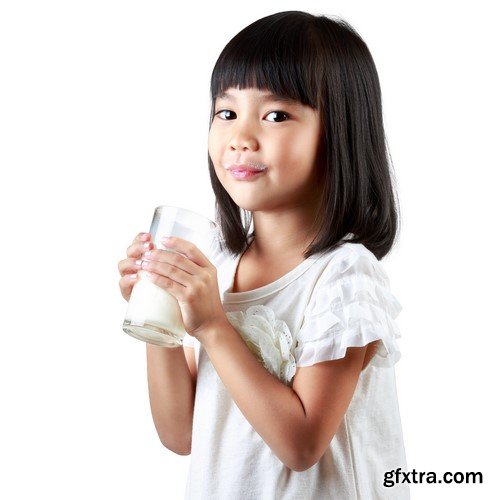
(329, 348)
(353, 306)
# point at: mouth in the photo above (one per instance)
(246, 171)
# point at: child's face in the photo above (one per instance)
(285, 137)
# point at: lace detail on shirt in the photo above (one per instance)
(268, 338)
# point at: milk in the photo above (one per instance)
(153, 314)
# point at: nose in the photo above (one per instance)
(242, 140)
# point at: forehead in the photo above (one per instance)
(261, 96)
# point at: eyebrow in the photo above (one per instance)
(264, 98)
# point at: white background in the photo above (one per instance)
(104, 110)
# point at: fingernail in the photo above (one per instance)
(132, 276)
(144, 236)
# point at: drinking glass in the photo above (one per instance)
(153, 314)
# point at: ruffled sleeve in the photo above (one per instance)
(351, 306)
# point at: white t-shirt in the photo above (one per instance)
(329, 302)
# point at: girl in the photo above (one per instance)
(285, 386)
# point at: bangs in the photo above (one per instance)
(271, 57)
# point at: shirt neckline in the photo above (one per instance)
(264, 291)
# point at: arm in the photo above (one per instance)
(295, 422)
(326, 390)
(171, 395)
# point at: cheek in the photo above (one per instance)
(211, 145)
(215, 151)
(295, 154)
(297, 161)
(215, 146)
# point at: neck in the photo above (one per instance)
(285, 233)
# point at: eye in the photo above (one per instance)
(286, 115)
(223, 111)
(282, 113)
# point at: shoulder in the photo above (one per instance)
(351, 274)
(349, 260)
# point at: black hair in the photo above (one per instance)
(323, 63)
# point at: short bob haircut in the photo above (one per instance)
(322, 63)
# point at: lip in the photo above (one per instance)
(246, 171)
(246, 174)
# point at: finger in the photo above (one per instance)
(126, 284)
(171, 286)
(142, 237)
(190, 250)
(129, 266)
(168, 271)
(138, 248)
(174, 259)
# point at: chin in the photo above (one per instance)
(251, 204)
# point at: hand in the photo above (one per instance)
(192, 279)
(128, 267)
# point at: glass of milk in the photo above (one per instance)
(153, 315)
